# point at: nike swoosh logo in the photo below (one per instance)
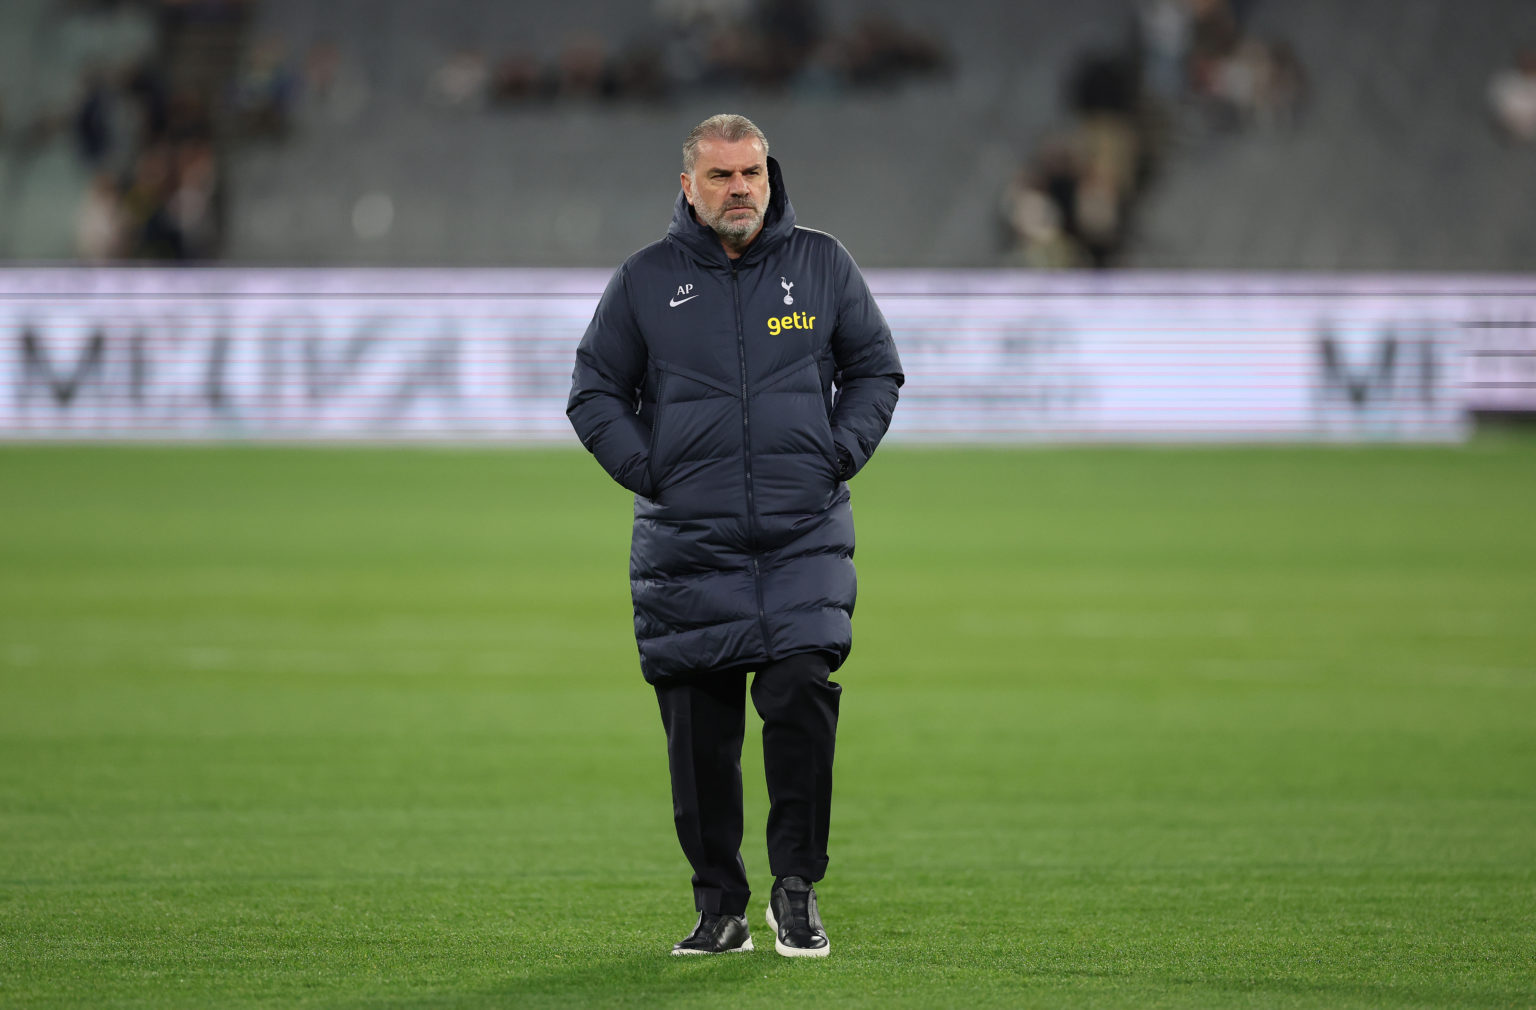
(678, 301)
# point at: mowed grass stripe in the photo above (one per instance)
(1174, 727)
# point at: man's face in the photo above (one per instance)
(729, 188)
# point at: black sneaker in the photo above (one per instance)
(716, 934)
(794, 920)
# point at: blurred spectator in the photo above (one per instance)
(264, 90)
(1512, 96)
(640, 73)
(1073, 206)
(191, 208)
(762, 44)
(518, 78)
(1214, 36)
(1197, 49)
(150, 232)
(880, 51)
(1101, 209)
(1091, 173)
(584, 69)
(334, 89)
(168, 208)
(93, 120)
(1285, 87)
(1258, 83)
(1066, 210)
(462, 80)
(690, 26)
(1104, 83)
(99, 222)
(188, 117)
(1236, 80)
(1165, 29)
(1109, 147)
(1042, 242)
(147, 93)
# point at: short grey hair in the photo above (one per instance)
(726, 126)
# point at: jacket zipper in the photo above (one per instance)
(746, 461)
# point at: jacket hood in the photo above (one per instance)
(701, 241)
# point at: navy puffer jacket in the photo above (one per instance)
(706, 387)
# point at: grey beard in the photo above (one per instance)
(735, 230)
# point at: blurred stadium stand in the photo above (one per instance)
(1393, 163)
(115, 96)
(908, 175)
(46, 51)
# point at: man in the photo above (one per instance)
(705, 385)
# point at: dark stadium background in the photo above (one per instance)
(1193, 658)
(543, 134)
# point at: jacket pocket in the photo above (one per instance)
(829, 452)
(825, 442)
(824, 384)
(657, 416)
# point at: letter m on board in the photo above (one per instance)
(37, 368)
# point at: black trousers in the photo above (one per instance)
(705, 719)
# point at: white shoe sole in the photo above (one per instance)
(744, 948)
(794, 951)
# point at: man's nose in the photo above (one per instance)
(739, 185)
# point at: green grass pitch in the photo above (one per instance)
(1144, 728)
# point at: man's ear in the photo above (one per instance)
(687, 187)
